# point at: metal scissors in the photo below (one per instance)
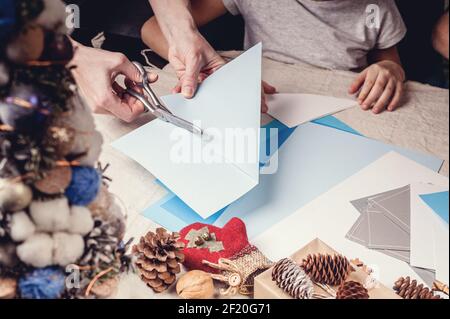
(154, 105)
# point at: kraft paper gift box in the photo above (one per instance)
(265, 288)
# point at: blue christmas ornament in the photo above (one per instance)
(84, 187)
(42, 283)
(7, 17)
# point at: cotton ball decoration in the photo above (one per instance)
(81, 221)
(46, 283)
(21, 227)
(27, 46)
(4, 74)
(37, 251)
(52, 215)
(93, 153)
(79, 118)
(53, 16)
(68, 248)
(8, 257)
(84, 186)
(14, 196)
(81, 142)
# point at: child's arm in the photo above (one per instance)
(440, 36)
(381, 83)
(203, 12)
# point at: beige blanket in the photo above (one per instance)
(421, 124)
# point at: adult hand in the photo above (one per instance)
(194, 60)
(381, 86)
(96, 71)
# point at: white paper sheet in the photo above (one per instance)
(425, 231)
(227, 106)
(441, 249)
(295, 109)
(331, 215)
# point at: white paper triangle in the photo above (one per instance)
(295, 109)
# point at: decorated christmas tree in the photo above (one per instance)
(60, 229)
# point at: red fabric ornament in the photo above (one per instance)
(233, 237)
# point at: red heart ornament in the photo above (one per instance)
(233, 237)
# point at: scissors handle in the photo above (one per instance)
(157, 108)
(148, 89)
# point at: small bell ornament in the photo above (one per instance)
(14, 196)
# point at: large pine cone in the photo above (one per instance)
(408, 289)
(158, 257)
(292, 279)
(352, 290)
(327, 269)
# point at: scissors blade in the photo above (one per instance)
(179, 122)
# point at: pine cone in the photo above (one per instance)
(158, 257)
(408, 289)
(292, 279)
(327, 269)
(352, 290)
(101, 246)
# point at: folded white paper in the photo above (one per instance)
(295, 109)
(207, 173)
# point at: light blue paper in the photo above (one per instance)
(312, 161)
(439, 203)
(181, 214)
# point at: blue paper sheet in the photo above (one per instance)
(313, 160)
(439, 203)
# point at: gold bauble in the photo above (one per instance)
(14, 196)
(196, 284)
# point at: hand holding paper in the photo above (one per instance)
(205, 173)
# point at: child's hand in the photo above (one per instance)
(382, 86)
(266, 88)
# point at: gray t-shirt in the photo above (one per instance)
(332, 34)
